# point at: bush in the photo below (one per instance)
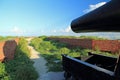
(36, 42)
(21, 68)
(81, 37)
(3, 73)
(74, 54)
(6, 38)
(46, 45)
(64, 50)
(51, 51)
(26, 73)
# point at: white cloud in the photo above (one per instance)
(65, 30)
(17, 30)
(68, 29)
(93, 7)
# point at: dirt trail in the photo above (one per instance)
(41, 68)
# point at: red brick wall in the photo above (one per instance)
(84, 43)
(106, 45)
(103, 45)
(1, 51)
(7, 49)
(119, 45)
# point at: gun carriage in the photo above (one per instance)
(97, 67)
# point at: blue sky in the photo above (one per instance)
(42, 17)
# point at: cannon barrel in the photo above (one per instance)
(103, 19)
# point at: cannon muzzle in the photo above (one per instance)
(103, 19)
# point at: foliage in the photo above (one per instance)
(75, 54)
(64, 50)
(21, 68)
(35, 42)
(63, 37)
(80, 37)
(3, 73)
(2, 38)
(52, 50)
(26, 73)
(97, 50)
(42, 37)
(92, 37)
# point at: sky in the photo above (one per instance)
(42, 17)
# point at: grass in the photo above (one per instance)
(52, 50)
(21, 67)
(7, 38)
(80, 37)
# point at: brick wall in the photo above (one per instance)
(1, 51)
(106, 45)
(7, 49)
(119, 46)
(84, 43)
(103, 45)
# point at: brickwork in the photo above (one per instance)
(106, 45)
(103, 45)
(7, 49)
(1, 51)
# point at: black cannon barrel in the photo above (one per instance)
(103, 19)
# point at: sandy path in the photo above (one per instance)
(39, 64)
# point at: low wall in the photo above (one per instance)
(102, 45)
(1, 51)
(106, 45)
(7, 49)
(84, 43)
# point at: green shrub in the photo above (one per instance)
(81, 37)
(74, 54)
(21, 67)
(64, 50)
(92, 37)
(3, 73)
(26, 73)
(52, 50)
(46, 45)
(35, 42)
(97, 50)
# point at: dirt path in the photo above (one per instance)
(39, 64)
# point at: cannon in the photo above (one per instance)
(97, 67)
(106, 18)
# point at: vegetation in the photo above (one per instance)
(6, 38)
(80, 37)
(52, 50)
(92, 37)
(21, 68)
